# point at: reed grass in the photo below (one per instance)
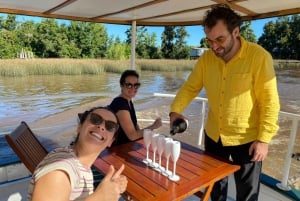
(287, 64)
(165, 65)
(22, 67)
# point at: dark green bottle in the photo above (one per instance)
(179, 126)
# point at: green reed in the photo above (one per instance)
(165, 65)
(20, 67)
(23, 67)
(287, 64)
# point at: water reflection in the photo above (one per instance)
(35, 97)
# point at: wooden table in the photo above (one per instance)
(197, 170)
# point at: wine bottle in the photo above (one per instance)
(179, 126)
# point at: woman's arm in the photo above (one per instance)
(54, 186)
(128, 127)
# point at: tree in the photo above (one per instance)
(181, 50)
(10, 23)
(145, 43)
(167, 42)
(294, 37)
(9, 44)
(247, 32)
(150, 42)
(141, 46)
(25, 33)
(282, 38)
(173, 43)
(47, 39)
(90, 38)
(118, 51)
(268, 38)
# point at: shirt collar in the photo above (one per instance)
(242, 51)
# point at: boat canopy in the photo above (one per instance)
(146, 12)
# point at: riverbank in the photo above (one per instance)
(27, 67)
(22, 67)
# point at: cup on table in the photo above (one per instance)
(167, 153)
(160, 150)
(154, 140)
(175, 152)
(147, 135)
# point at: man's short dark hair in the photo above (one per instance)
(224, 13)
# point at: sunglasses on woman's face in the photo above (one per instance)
(130, 85)
(110, 126)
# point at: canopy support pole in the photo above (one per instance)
(133, 41)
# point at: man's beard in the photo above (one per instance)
(223, 51)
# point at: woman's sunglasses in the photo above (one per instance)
(130, 85)
(110, 126)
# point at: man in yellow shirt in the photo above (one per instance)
(240, 83)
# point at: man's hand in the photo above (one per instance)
(173, 116)
(259, 150)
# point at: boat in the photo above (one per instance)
(14, 177)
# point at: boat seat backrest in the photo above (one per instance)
(26, 146)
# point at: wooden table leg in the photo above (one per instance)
(207, 191)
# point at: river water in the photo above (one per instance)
(38, 97)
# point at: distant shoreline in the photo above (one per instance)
(27, 67)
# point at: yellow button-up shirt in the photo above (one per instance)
(242, 95)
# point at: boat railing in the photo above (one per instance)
(295, 118)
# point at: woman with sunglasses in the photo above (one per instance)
(65, 173)
(124, 109)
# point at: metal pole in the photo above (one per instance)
(133, 41)
(288, 158)
(200, 136)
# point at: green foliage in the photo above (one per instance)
(49, 39)
(145, 43)
(173, 43)
(9, 44)
(118, 51)
(9, 23)
(167, 42)
(247, 32)
(282, 37)
(181, 51)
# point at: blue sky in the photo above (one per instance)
(195, 32)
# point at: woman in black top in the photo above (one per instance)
(124, 109)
